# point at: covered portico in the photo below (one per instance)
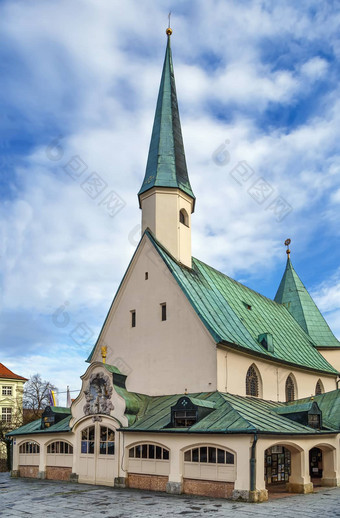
(298, 469)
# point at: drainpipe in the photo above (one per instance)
(253, 464)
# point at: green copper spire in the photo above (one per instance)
(293, 294)
(166, 165)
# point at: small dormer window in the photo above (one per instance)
(52, 416)
(184, 418)
(188, 411)
(266, 340)
(314, 421)
(307, 414)
(183, 217)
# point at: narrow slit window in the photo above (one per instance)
(146, 275)
(133, 318)
(163, 307)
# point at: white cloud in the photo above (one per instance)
(91, 74)
(315, 68)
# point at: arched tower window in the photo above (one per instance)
(290, 389)
(183, 217)
(319, 388)
(252, 382)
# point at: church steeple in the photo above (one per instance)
(166, 197)
(293, 294)
(166, 165)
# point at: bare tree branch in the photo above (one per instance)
(36, 395)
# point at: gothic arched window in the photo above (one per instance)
(319, 388)
(290, 389)
(252, 382)
(183, 217)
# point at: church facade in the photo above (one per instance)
(217, 390)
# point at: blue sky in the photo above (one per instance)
(258, 88)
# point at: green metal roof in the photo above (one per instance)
(202, 403)
(237, 315)
(60, 409)
(232, 414)
(329, 404)
(166, 165)
(293, 294)
(35, 427)
(295, 408)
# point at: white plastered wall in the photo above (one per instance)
(332, 356)
(40, 459)
(159, 357)
(160, 213)
(232, 368)
(239, 445)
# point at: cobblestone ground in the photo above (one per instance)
(27, 497)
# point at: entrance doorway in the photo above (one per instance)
(315, 463)
(97, 454)
(277, 464)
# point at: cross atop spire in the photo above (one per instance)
(166, 165)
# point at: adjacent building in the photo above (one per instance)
(11, 394)
(196, 384)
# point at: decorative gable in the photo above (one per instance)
(188, 411)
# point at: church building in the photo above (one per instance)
(217, 390)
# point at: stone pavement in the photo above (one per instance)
(42, 498)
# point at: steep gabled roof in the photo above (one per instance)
(293, 294)
(166, 165)
(237, 315)
(7, 374)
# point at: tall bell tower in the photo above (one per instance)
(166, 197)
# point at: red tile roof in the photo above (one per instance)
(6, 373)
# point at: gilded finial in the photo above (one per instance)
(104, 351)
(287, 243)
(169, 30)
